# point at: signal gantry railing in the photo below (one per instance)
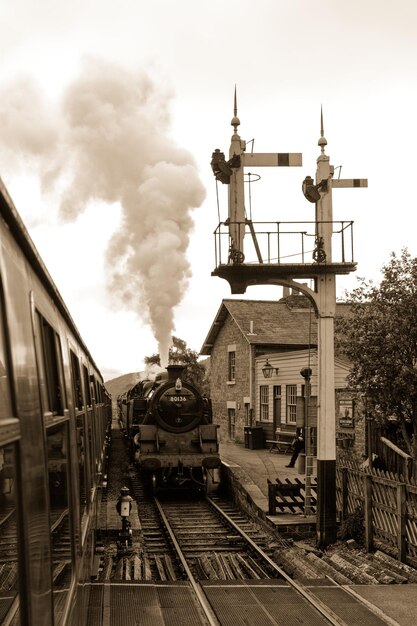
(282, 242)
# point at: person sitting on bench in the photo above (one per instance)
(297, 446)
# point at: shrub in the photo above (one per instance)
(352, 527)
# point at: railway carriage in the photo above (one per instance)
(54, 418)
(171, 432)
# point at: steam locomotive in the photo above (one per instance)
(171, 433)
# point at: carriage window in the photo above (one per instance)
(76, 381)
(87, 390)
(50, 366)
(5, 396)
(57, 455)
(9, 565)
(81, 452)
(93, 388)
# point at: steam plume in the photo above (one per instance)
(112, 144)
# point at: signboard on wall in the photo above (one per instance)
(346, 417)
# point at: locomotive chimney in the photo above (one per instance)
(175, 371)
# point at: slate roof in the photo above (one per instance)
(286, 322)
(290, 321)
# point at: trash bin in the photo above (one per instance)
(256, 438)
(246, 430)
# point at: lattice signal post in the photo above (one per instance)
(241, 273)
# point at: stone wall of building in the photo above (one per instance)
(224, 393)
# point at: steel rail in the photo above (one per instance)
(327, 613)
(205, 605)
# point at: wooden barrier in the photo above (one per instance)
(289, 497)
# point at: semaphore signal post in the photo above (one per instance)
(270, 256)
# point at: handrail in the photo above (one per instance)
(277, 241)
(396, 449)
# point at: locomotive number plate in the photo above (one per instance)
(178, 398)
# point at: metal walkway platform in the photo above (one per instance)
(236, 603)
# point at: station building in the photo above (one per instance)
(257, 350)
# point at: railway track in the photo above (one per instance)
(215, 562)
(207, 542)
(238, 572)
(8, 551)
(213, 547)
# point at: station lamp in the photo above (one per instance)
(268, 370)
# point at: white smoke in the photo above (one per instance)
(112, 144)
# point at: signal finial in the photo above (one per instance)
(322, 141)
(235, 121)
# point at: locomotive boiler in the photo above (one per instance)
(172, 436)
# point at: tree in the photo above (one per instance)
(195, 372)
(380, 339)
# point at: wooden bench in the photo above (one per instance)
(282, 442)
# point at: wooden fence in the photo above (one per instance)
(389, 505)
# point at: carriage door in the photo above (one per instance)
(277, 408)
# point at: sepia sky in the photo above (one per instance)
(109, 114)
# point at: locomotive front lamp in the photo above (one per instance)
(268, 370)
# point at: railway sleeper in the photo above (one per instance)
(235, 564)
(247, 568)
(261, 572)
(379, 575)
(328, 570)
(160, 567)
(227, 569)
(207, 568)
(353, 572)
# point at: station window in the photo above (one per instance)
(264, 402)
(9, 566)
(232, 423)
(50, 366)
(231, 366)
(61, 543)
(291, 404)
(248, 420)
